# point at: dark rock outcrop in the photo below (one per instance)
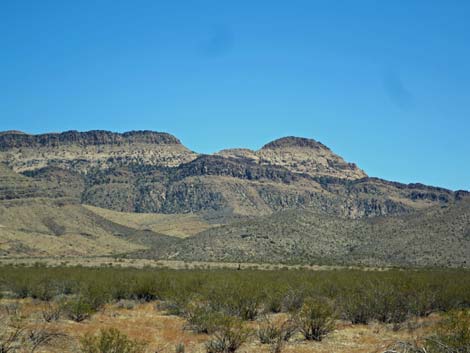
(10, 140)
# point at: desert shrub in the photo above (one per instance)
(315, 319)
(360, 296)
(236, 298)
(274, 298)
(20, 288)
(51, 311)
(96, 295)
(125, 304)
(270, 330)
(389, 304)
(15, 336)
(245, 307)
(293, 300)
(453, 334)
(171, 307)
(228, 337)
(276, 333)
(180, 348)
(422, 300)
(38, 337)
(145, 289)
(268, 333)
(405, 347)
(77, 309)
(111, 341)
(43, 290)
(11, 310)
(12, 331)
(357, 307)
(121, 290)
(202, 318)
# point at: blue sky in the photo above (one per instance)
(385, 84)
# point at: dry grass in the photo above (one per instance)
(177, 225)
(27, 229)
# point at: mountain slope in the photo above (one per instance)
(437, 236)
(61, 227)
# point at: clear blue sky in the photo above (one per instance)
(385, 84)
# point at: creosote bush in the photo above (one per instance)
(270, 330)
(276, 333)
(180, 348)
(453, 334)
(51, 311)
(359, 296)
(315, 319)
(230, 334)
(78, 309)
(202, 318)
(111, 341)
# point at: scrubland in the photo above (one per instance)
(127, 310)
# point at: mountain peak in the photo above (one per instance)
(303, 155)
(293, 141)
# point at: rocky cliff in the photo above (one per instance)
(145, 171)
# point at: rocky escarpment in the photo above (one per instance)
(144, 171)
(15, 139)
(82, 151)
(241, 186)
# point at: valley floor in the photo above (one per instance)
(164, 332)
(104, 261)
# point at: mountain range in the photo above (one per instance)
(144, 194)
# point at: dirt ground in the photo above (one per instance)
(105, 261)
(163, 332)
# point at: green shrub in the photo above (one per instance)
(171, 307)
(357, 307)
(77, 309)
(145, 289)
(51, 311)
(293, 300)
(228, 337)
(96, 295)
(315, 319)
(360, 296)
(125, 304)
(389, 304)
(274, 300)
(111, 341)
(180, 348)
(202, 318)
(43, 290)
(270, 331)
(453, 334)
(276, 333)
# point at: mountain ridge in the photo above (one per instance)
(292, 199)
